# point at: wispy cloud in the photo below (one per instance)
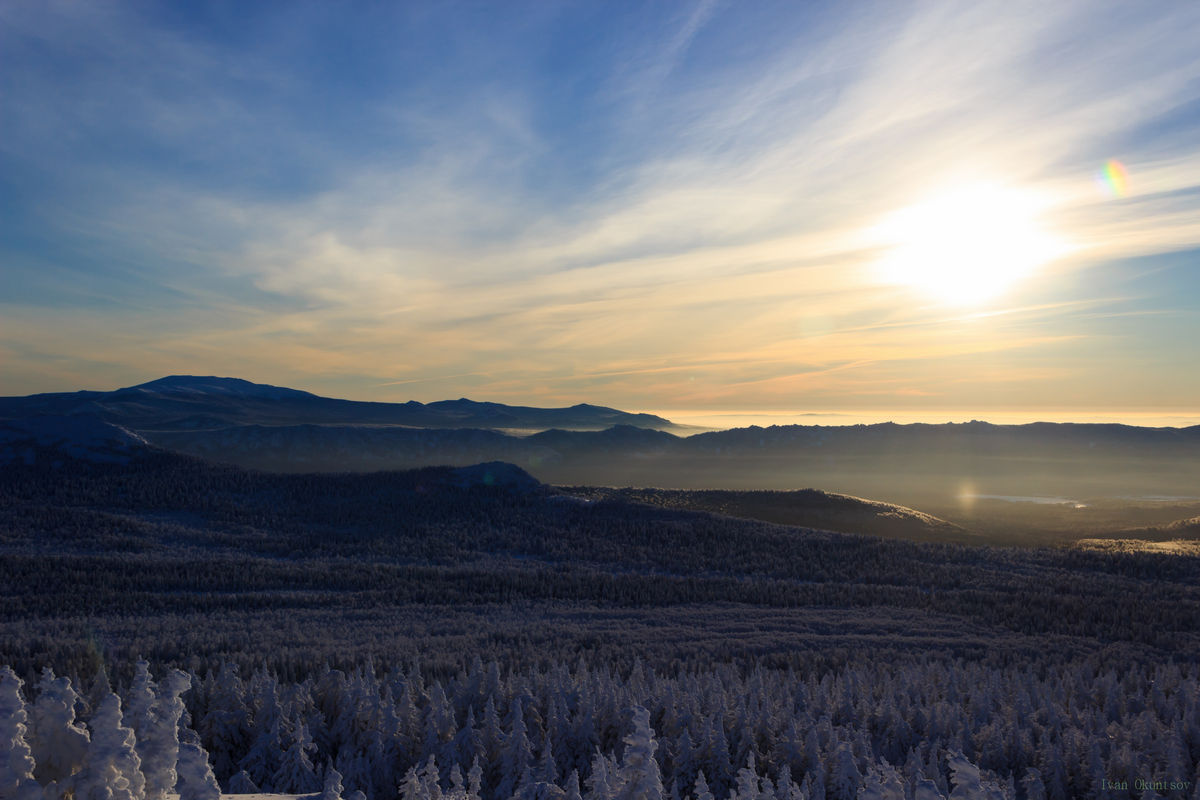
(666, 209)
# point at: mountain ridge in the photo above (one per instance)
(918, 465)
(801, 508)
(186, 402)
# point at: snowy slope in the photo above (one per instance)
(810, 508)
(190, 402)
(51, 438)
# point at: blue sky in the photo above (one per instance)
(645, 205)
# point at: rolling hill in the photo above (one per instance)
(808, 508)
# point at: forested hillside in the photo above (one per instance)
(166, 547)
(819, 656)
(803, 507)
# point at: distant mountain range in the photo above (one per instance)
(193, 403)
(53, 449)
(922, 466)
(912, 466)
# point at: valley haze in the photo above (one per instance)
(1031, 483)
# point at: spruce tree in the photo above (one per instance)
(701, 791)
(517, 756)
(194, 776)
(333, 785)
(639, 777)
(296, 774)
(158, 745)
(16, 759)
(112, 769)
(58, 742)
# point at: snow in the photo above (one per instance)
(262, 796)
(1175, 547)
(200, 385)
(84, 437)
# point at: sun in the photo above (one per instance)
(968, 245)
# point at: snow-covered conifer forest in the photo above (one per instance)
(922, 729)
(178, 628)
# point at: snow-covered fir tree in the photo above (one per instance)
(139, 700)
(58, 741)
(639, 777)
(195, 779)
(16, 758)
(333, 785)
(242, 783)
(699, 718)
(296, 774)
(844, 775)
(112, 769)
(517, 755)
(158, 746)
(224, 727)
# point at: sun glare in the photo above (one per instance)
(967, 246)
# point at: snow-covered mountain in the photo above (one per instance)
(920, 466)
(190, 403)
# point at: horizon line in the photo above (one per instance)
(727, 418)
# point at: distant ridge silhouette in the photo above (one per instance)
(191, 402)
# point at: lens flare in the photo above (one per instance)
(1115, 178)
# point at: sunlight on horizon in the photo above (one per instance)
(726, 419)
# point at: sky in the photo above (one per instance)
(892, 208)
